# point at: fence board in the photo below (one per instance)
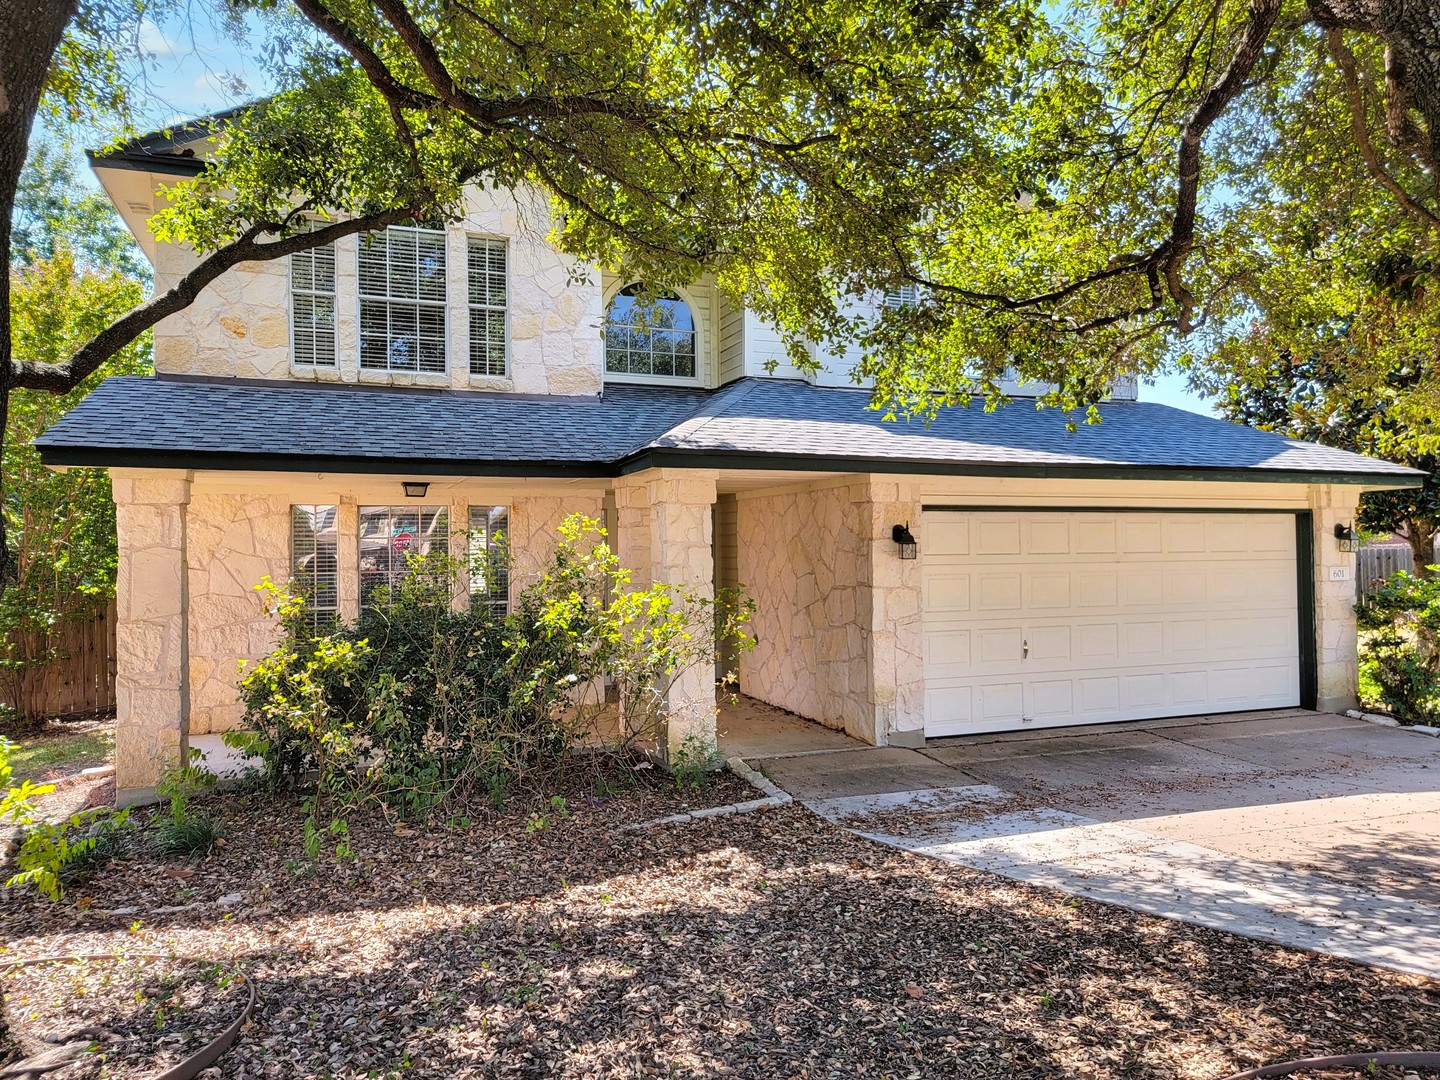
(81, 677)
(1374, 564)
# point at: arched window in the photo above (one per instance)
(649, 335)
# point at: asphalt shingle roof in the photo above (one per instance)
(218, 424)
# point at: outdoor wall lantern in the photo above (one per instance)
(1346, 539)
(901, 535)
(415, 489)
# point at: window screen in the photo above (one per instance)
(388, 534)
(313, 573)
(312, 305)
(490, 558)
(402, 300)
(487, 272)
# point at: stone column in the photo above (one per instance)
(1336, 659)
(664, 534)
(890, 611)
(152, 691)
(347, 557)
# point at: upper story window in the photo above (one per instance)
(402, 300)
(312, 305)
(489, 290)
(907, 295)
(653, 336)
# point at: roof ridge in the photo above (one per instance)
(710, 410)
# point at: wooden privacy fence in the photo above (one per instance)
(1374, 564)
(79, 679)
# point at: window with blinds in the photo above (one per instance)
(903, 296)
(490, 558)
(390, 534)
(312, 305)
(313, 566)
(488, 297)
(402, 300)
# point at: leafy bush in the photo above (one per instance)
(1400, 648)
(424, 705)
(181, 831)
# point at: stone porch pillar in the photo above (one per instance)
(663, 533)
(152, 691)
(1336, 646)
(890, 610)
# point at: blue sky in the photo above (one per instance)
(195, 67)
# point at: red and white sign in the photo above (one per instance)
(403, 540)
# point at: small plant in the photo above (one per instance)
(53, 855)
(181, 832)
(56, 855)
(697, 759)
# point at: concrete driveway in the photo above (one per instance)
(1308, 829)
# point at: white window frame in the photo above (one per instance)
(333, 295)
(361, 297)
(640, 379)
(481, 538)
(472, 307)
(420, 510)
(316, 611)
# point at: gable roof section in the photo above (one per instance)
(753, 423)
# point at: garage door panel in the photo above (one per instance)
(997, 591)
(1126, 616)
(999, 645)
(1097, 588)
(1049, 590)
(1141, 535)
(946, 535)
(1094, 536)
(1047, 536)
(1050, 700)
(947, 591)
(997, 536)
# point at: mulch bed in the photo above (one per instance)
(765, 945)
(140, 1016)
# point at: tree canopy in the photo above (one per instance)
(1080, 192)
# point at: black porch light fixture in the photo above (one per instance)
(415, 489)
(1346, 539)
(902, 536)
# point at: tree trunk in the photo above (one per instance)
(1410, 30)
(1421, 535)
(30, 32)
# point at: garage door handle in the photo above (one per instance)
(1024, 650)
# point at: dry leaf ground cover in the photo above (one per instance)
(765, 945)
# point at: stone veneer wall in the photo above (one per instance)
(237, 539)
(837, 621)
(1336, 644)
(234, 542)
(240, 325)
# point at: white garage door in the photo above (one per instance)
(1036, 619)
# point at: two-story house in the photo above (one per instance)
(331, 412)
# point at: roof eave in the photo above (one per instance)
(70, 456)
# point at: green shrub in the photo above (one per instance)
(1400, 648)
(181, 832)
(426, 706)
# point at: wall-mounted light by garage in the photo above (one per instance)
(415, 489)
(1345, 538)
(902, 536)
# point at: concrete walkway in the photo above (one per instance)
(1305, 829)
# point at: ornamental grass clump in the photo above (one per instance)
(428, 704)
